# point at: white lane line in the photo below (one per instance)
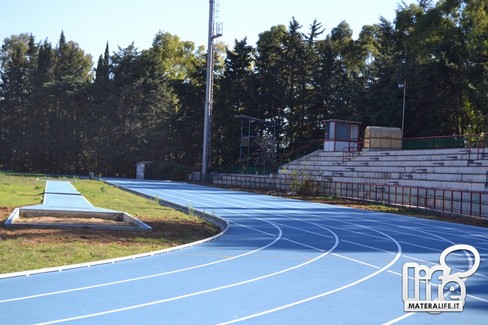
(477, 298)
(439, 238)
(278, 237)
(323, 235)
(367, 246)
(342, 228)
(157, 302)
(269, 311)
(431, 232)
(156, 195)
(393, 272)
(390, 252)
(164, 273)
(355, 260)
(342, 240)
(395, 320)
(435, 263)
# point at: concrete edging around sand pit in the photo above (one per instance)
(64, 207)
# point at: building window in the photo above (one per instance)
(342, 132)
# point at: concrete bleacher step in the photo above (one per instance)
(461, 186)
(459, 168)
(472, 162)
(434, 154)
(461, 182)
(447, 168)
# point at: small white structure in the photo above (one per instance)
(341, 135)
(141, 169)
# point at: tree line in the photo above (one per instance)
(59, 115)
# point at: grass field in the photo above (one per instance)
(29, 249)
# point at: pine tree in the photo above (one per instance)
(14, 93)
(103, 67)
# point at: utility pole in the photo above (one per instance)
(214, 31)
(403, 111)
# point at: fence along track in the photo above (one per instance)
(446, 201)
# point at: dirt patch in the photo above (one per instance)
(171, 233)
(72, 221)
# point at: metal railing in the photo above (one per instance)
(477, 143)
(444, 201)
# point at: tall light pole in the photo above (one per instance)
(404, 86)
(207, 122)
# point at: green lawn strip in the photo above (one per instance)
(48, 248)
(20, 255)
(17, 190)
(106, 196)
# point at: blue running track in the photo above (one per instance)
(281, 261)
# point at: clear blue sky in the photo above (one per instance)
(91, 23)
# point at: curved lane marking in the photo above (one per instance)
(397, 256)
(164, 251)
(278, 237)
(269, 311)
(157, 302)
(276, 273)
(372, 247)
(406, 315)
